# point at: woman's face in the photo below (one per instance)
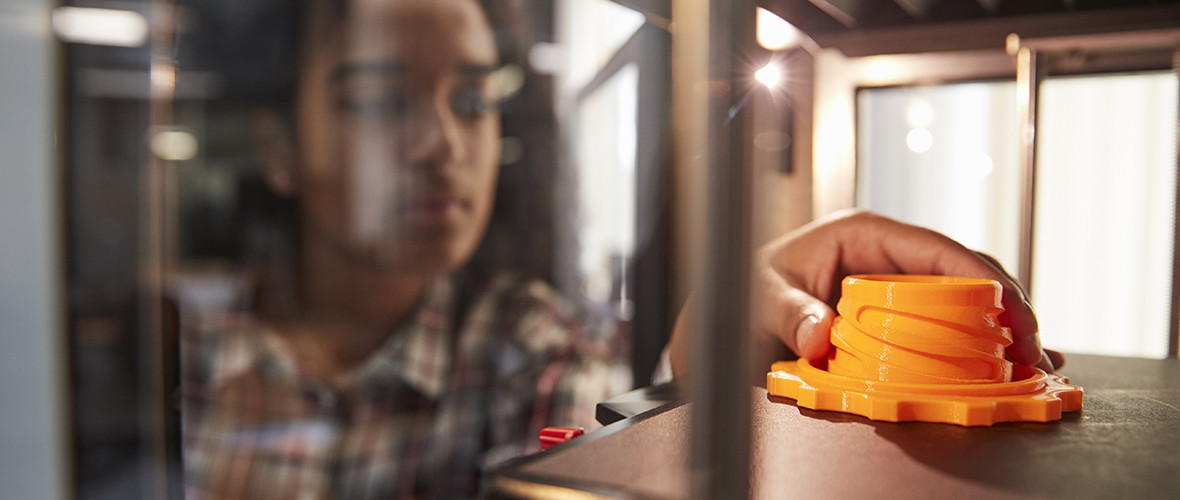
(399, 134)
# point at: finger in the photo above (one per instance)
(814, 333)
(1056, 359)
(1045, 364)
(1018, 316)
(806, 323)
(1021, 319)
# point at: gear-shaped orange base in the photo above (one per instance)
(1032, 396)
(923, 348)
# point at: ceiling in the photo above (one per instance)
(870, 27)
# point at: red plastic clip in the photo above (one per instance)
(551, 436)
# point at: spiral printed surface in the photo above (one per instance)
(920, 330)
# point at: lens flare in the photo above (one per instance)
(769, 75)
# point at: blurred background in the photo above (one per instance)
(1043, 133)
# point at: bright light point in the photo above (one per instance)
(980, 166)
(773, 32)
(919, 113)
(769, 75)
(174, 145)
(919, 140)
(120, 28)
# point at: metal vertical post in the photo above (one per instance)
(1174, 325)
(721, 393)
(1028, 80)
(158, 455)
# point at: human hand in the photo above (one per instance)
(797, 279)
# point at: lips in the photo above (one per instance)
(439, 208)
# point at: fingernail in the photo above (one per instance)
(804, 331)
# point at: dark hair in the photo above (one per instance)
(520, 235)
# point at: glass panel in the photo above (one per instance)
(606, 173)
(371, 256)
(398, 238)
(944, 157)
(1106, 190)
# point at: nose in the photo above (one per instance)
(440, 139)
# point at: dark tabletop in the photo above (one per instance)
(1125, 443)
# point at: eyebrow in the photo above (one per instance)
(348, 69)
(393, 68)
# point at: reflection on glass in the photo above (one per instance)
(118, 28)
(388, 329)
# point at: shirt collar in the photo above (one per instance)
(418, 352)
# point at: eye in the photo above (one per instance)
(471, 103)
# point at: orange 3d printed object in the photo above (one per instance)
(923, 348)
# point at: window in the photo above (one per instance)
(947, 157)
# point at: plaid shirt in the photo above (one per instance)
(438, 404)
